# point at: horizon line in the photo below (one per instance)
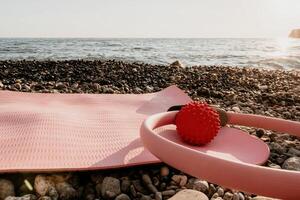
(4, 37)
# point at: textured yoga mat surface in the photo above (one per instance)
(53, 132)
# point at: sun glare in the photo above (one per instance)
(283, 43)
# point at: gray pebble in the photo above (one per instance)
(139, 187)
(110, 187)
(125, 185)
(201, 185)
(60, 86)
(25, 197)
(66, 191)
(168, 192)
(145, 197)
(74, 85)
(275, 166)
(212, 189)
(26, 87)
(107, 90)
(235, 196)
(260, 132)
(155, 181)
(190, 183)
(122, 197)
(52, 193)
(152, 188)
(96, 86)
(236, 109)
(133, 191)
(18, 86)
(146, 179)
(45, 198)
(241, 196)
(162, 186)
(218, 198)
(6, 188)
(292, 163)
(280, 160)
(294, 152)
(149, 88)
(277, 148)
(138, 90)
(228, 196)
(181, 180)
(177, 64)
(42, 184)
(109, 195)
(96, 178)
(220, 192)
(89, 192)
(158, 196)
(190, 195)
(172, 187)
(215, 195)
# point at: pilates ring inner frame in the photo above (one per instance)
(242, 176)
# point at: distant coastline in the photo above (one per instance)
(295, 34)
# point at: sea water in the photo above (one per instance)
(278, 53)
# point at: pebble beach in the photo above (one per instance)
(273, 93)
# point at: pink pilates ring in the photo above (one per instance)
(231, 170)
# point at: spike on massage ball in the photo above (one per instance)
(197, 123)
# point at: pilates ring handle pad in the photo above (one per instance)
(277, 183)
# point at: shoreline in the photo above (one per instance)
(139, 62)
(248, 90)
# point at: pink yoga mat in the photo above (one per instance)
(55, 132)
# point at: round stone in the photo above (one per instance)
(110, 187)
(292, 163)
(6, 188)
(190, 195)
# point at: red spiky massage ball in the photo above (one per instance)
(197, 123)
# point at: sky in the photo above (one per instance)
(149, 18)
